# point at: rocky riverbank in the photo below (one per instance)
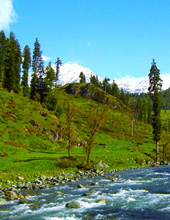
(13, 191)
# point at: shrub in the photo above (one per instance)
(67, 162)
(59, 111)
(3, 154)
(139, 160)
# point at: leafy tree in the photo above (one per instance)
(82, 77)
(97, 121)
(70, 131)
(155, 86)
(25, 66)
(2, 57)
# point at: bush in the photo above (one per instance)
(139, 160)
(51, 102)
(3, 154)
(67, 162)
(59, 111)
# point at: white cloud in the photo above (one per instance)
(7, 14)
(74, 62)
(46, 59)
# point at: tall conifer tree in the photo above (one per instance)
(155, 86)
(58, 64)
(38, 72)
(2, 57)
(12, 64)
(26, 65)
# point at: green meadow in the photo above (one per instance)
(32, 139)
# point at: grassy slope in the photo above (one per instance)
(26, 146)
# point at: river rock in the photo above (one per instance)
(34, 186)
(95, 184)
(20, 178)
(42, 178)
(81, 186)
(102, 201)
(23, 201)
(38, 181)
(101, 164)
(73, 205)
(2, 201)
(87, 194)
(11, 195)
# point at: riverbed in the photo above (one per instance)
(133, 194)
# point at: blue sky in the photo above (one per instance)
(114, 38)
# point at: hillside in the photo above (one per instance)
(33, 140)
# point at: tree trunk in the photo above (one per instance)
(157, 151)
(132, 128)
(69, 151)
(163, 155)
(88, 157)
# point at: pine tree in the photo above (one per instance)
(105, 84)
(12, 64)
(149, 120)
(38, 73)
(58, 64)
(49, 80)
(18, 61)
(82, 77)
(122, 96)
(115, 90)
(26, 64)
(2, 57)
(155, 86)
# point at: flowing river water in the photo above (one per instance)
(134, 194)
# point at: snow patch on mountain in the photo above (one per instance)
(69, 72)
(133, 85)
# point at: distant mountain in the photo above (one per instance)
(133, 85)
(70, 73)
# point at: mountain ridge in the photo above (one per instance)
(69, 73)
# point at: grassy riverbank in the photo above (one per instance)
(32, 142)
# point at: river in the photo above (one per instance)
(134, 194)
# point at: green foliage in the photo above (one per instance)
(2, 57)
(38, 72)
(51, 102)
(12, 64)
(33, 140)
(26, 64)
(82, 77)
(155, 85)
(59, 111)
